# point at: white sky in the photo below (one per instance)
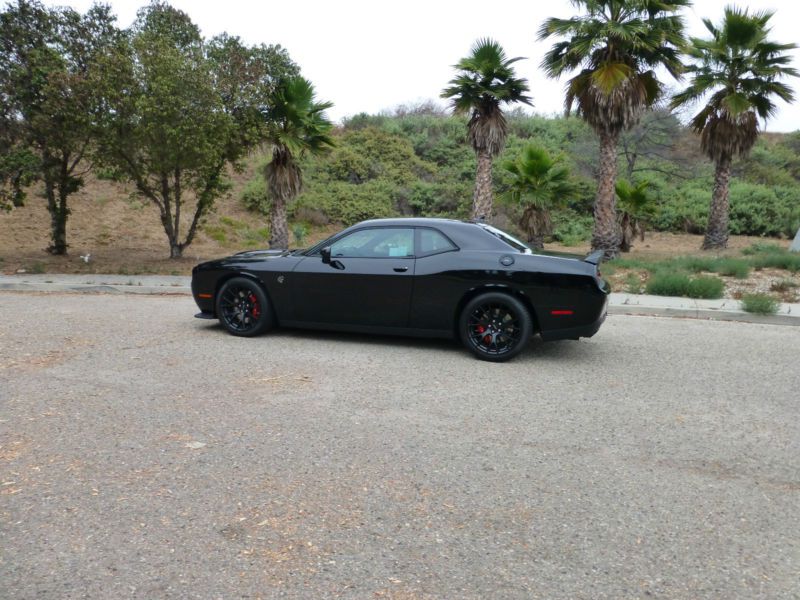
(367, 56)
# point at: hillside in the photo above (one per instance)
(417, 163)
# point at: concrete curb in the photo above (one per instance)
(619, 304)
(688, 308)
(88, 288)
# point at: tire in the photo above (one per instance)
(243, 308)
(495, 326)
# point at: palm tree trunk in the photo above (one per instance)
(279, 225)
(482, 198)
(627, 233)
(717, 230)
(606, 232)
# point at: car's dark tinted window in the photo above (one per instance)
(433, 242)
(384, 242)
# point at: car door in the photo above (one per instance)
(368, 281)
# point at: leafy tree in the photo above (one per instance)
(180, 111)
(485, 81)
(650, 146)
(636, 208)
(539, 183)
(297, 126)
(740, 67)
(617, 45)
(49, 102)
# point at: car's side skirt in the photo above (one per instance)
(403, 331)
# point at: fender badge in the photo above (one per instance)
(280, 278)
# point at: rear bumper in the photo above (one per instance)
(573, 333)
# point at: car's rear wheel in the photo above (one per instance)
(242, 307)
(495, 326)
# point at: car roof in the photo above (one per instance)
(465, 234)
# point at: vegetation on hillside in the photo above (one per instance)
(415, 163)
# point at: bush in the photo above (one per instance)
(349, 204)
(633, 285)
(760, 304)
(706, 287)
(668, 284)
(255, 196)
(571, 229)
(671, 283)
(776, 258)
(732, 267)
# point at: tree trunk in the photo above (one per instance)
(717, 230)
(175, 250)
(279, 226)
(57, 207)
(482, 198)
(626, 234)
(536, 242)
(606, 232)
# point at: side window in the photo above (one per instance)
(384, 242)
(433, 242)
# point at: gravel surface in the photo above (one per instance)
(147, 454)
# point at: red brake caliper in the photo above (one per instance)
(487, 339)
(254, 301)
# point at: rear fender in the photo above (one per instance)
(495, 288)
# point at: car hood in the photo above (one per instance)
(249, 256)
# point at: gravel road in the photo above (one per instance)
(147, 454)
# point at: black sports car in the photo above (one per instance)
(424, 277)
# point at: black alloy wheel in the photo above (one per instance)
(495, 326)
(242, 307)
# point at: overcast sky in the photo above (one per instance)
(368, 56)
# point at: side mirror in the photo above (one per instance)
(326, 255)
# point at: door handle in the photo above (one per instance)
(400, 269)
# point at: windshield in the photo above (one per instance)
(508, 239)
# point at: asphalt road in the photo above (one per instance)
(147, 454)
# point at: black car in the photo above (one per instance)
(421, 277)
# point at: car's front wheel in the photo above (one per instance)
(243, 308)
(495, 326)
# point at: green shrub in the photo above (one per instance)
(300, 232)
(672, 283)
(668, 284)
(633, 285)
(37, 268)
(255, 196)
(785, 260)
(706, 287)
(760, 304)
(571, 229)
(763, 248)
(349, 204)
(695, 264)
(732, 267)
(216, 232)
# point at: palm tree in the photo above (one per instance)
(538, 183)
(636, 206)
(617, 45)
(297, 125)
(485, 81)
(740, 68)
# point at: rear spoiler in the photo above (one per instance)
(594, 258)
